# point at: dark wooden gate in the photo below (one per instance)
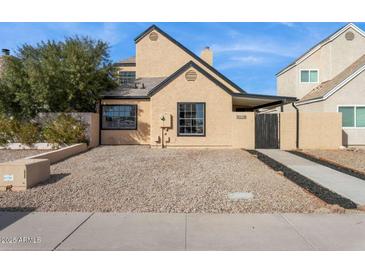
(266, 131)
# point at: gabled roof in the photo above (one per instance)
(192, 64)
(327, 88)
(180, 71)
(320, 45)
(154, 27)
(154, 84)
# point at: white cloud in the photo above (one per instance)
(257, 46)
(288, 24)
(241, 61)
(248, 59)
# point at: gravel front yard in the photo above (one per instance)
(353, 159)
(14, 154)
(140, 179)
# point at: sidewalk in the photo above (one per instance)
(149, 231)
(345, 185)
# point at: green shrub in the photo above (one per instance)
(12, 130)
(64, 130)
(27, 133)
(6, 130)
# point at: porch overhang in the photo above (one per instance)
(254, 102)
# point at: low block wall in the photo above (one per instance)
(243, 130)
(317, 130)
(22, 174)
(60, 154)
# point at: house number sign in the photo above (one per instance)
(8, 178)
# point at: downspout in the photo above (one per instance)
(297, 137)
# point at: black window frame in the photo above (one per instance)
(178, 120)
(120, 128)
(125, 83)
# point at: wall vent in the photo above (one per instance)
(153, 36)
(191, 75)
(349, 36)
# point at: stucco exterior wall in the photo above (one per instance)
(330, 60)
(287, 130)
(320, 130)
(243, 130)
(351, 94)
(288, 83)
(61, 154)
(316, 130)
(161, 58)
(24, 173)
(94, 128)
(218, 113)
(130, 137)
(344, 52)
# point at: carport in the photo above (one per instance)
(266, 124)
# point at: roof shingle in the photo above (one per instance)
(142, 88)
(323, 88)
(128, 61)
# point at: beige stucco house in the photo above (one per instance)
(330, 78)
(170, 97)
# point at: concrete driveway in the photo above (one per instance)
(160, 231)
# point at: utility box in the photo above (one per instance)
(22, 174)
(165, 120)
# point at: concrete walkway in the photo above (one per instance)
(345, 185)
(145, 231)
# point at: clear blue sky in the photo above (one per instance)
(250, 54)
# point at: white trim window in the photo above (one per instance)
(191, 119)
(352, 116)
(309, 75)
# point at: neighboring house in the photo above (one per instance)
(171, 97)
(330, 78)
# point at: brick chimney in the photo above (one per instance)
(207, 55)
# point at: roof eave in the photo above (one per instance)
(123, 97)
(125, 64)
(320, 44)
(192, 54)
(183, 69)
(335, 88)
(262, 96)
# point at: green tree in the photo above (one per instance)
(55, 77)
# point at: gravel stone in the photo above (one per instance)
(319, 191)
(14, 154)
(140, 179)
(351, 158)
